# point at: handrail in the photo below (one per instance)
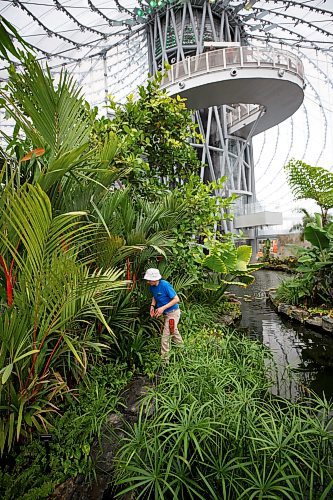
(233, 57)
(241, 111)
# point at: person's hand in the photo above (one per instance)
(152, 311)
(159, 312)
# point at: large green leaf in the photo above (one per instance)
(212, 286)
(229, 257)
(214, 263)
(317, 236)
(246, 279)
(59, 166)
(308, 182)
(244, 253)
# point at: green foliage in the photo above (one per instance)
(57, 125)
(294, 291)
(7, 33)
(307, 219)
(154, 129)
(313, 183)
(166, 125)
(85, 418)
(135, 229)
(314, 283)
(202, 211)
(267, 249)
(203, 207)
(283, 263)
(214, 434)
(47, 330)
(227, 264)
(204, 315)
(321, 311)
(33, 475)
(317, 236)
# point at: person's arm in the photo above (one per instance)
(172, 302)
(152, 307)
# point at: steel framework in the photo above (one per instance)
(174, 35)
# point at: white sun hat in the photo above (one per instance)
(152, 275)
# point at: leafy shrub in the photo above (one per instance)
(289, 262)
(293, 291)
(36, 474)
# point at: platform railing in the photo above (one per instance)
(233, 58)
(242, 111)
(253, 208)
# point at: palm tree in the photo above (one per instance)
(48, 327)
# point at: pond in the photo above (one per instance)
(302, 358)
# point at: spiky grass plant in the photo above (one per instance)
(216, 432)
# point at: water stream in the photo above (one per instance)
(302, 357)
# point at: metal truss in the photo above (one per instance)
(107, 39)
(178, 33)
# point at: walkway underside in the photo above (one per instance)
(280, 96)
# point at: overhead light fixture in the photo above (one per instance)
(262, 14)
(256, 27)
(249, 4)
(250, 16)
(270, 27)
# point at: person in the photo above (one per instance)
(165, 301)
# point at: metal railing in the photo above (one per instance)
(253, 208)
(235, 57)
(240, 112)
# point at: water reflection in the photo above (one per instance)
(302, 358)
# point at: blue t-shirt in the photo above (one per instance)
(163, 293)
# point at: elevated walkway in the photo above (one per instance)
(270, 78)
(258, 219)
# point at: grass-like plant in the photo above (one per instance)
(216, 433)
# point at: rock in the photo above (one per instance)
(226, 319)
(284, 309)
(327, 324)
(113, 419)
(298, 314)
(314, 321)
(134, 393)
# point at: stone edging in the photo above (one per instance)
(231, 317)
(296, 313)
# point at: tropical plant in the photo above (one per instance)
(74, 448)
(312, 183)
(226, 263)
(314, 282)
(267, 249)
(47, 330)
(133, 231)
(294, 291)
(7, 34)
(307, 219)
(55, 150)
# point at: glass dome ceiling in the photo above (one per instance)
(103, 43)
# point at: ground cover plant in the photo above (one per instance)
(216, 433)
(79, 429)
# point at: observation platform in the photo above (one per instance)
(254, 80)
